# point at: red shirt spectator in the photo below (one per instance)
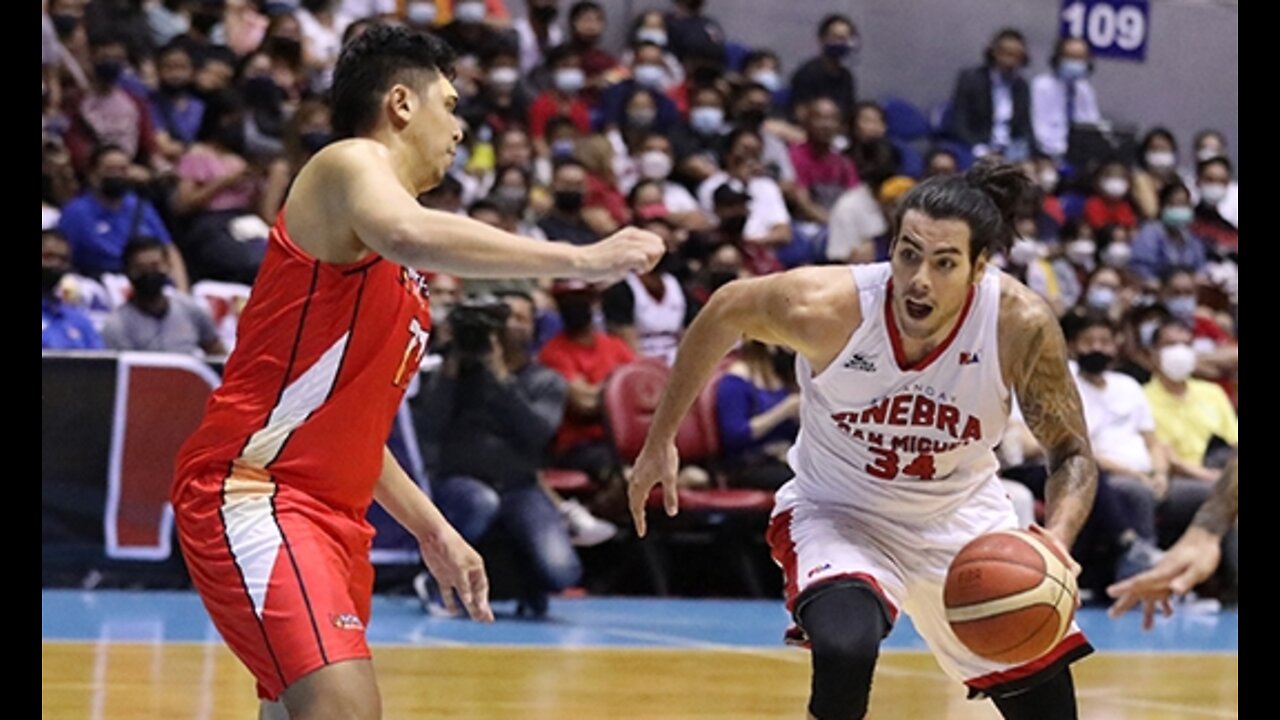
(1101, 212)
(590, 362)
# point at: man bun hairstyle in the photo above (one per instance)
(986, 197)
(372, 63)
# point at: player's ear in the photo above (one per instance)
(401, 102)
(980, 265)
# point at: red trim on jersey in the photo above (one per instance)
(783, 550)
(895, 337)
(1073, 642)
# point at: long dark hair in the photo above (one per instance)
(986, 197)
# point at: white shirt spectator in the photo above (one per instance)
(856, 221)
(530, 52)
(1049, 110)
(767, 207)
(324, 42)
(1117, 414)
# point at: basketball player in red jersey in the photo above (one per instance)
(272, 489)
(907, 371)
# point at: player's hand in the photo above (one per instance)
(657, 464)
(626, 251)
(1189, 562)
(457, 567)
(1057, 544)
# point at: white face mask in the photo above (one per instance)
(1080, 252)
(1117, 255)
(655, 165)
(650, 76)
(1213, 193)
(768, 78)
(653, 35)
(1048, 179)
(469, 11)
(570, 80)
(1161, 160)
(1115, 187)
(1025, 251)
(1177, 362)
(1208, 153)
(706, 120)
(420, 14)
(504, 77)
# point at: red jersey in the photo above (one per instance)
(323, 355)
(592, 363)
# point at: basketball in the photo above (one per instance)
(1009, 596)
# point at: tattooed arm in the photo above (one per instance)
(1190, 561)
(1034, 356)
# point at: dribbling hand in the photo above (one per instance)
(457, 567)
(656, 464)
(626, 251)
(1189, 562)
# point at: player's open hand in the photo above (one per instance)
(458, 568)
(1190, 561)
(658, 463)
(626, 251)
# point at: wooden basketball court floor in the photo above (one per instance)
(108, 655)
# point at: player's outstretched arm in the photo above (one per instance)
(1052, 409)
(785, 309)
(389, 221)
(1190, 561)
(454, 564)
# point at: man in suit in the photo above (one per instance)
(991, 105)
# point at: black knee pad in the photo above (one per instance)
(1053, 699)
(845, 620)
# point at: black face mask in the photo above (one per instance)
(107, 72)
(262, 92)
(575, 314)
(285, 48)
(568, 201)
(1095, 362)
(114, 188)
(751, 117)
(173, 90)
(49, 279)
(63, 24)
(733, 226)
(204, 21)
(719, 278)
(231, 137)
(671, 264)
(148, 285)
(314, 141)
(545, 14)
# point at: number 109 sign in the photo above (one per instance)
(1113, 28)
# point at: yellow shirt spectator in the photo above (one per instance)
(1186, 423)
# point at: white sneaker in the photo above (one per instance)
(585, 529)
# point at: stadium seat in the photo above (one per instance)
(904, 120)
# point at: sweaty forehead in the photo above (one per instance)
(935, 234)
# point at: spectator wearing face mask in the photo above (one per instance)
(108, 214)
(650, 311)
(1109, 203)
(750, 107)
(991, 104)
(322, 23)
(639, 121)
(1106, 293)
(690, 32)
(1157, 168)
(649, 76)
(154, 320)
(587, 24)
(175, 110)
(768, 223)
(651, 27)
(468, 25)
(503, 100)
(1217, 355)
(1042, 264)
(872, 153)
(1213, 186)
(537, 32)
(1189, 413)
(604, 206)
(585, 357)
(827, 75)
(107, 114)
(565, 221)
(654, 163)
(698, 142)
(563, 97)
(63, 326)
(1063, 96)
(1208, 145)
(1170, 241)
(1079, 247)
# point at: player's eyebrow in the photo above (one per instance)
(918, 246)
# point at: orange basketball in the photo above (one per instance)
(1009, 596)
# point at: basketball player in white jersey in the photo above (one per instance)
(906, 371)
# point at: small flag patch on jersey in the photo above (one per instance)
(820, 568)
(346, 621)
(968, 358)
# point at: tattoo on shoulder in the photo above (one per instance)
(1219, 512)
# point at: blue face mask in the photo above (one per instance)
(1100, 298)
(1178, 216)
(706, 120)
(1182, 307)
(563, 147)
(1071, 69)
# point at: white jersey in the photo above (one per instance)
(659, 323)
(906, 443)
